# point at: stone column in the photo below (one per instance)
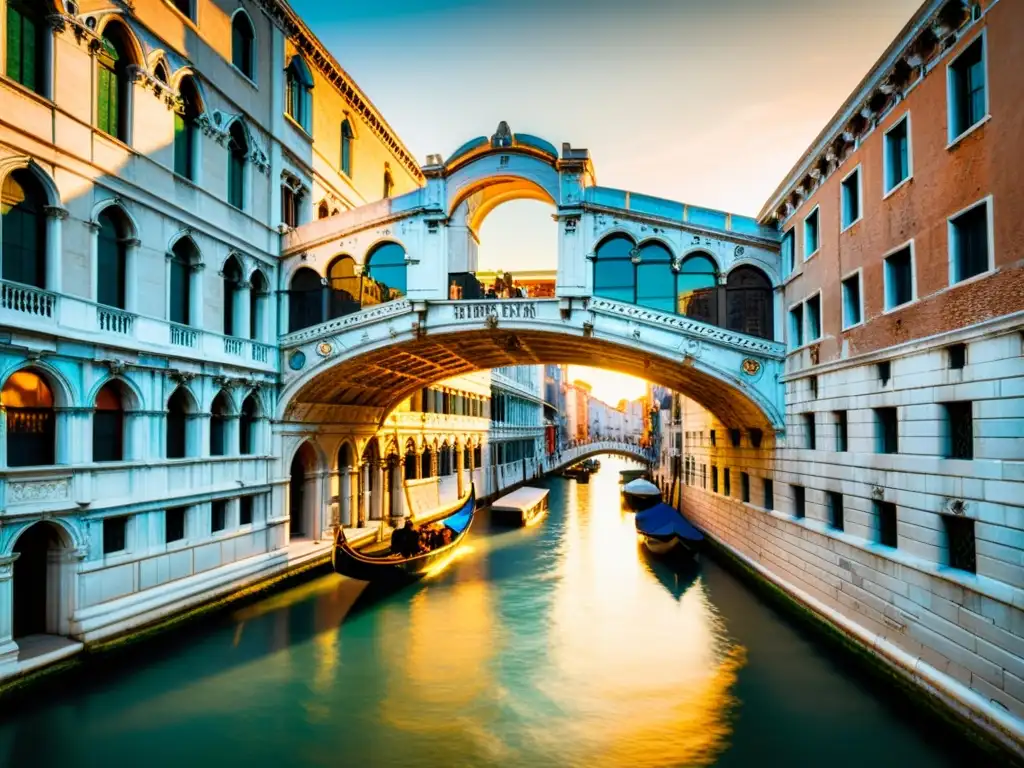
(195, 309)
(344, 496)
(131, 274)
(377, 498)
(232, 429)
(364, 488)
(8, 648)
(460, 465)
(55, 216)
(397, 511)
(94, 260)
(242, 309)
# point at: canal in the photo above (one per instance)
(556, 645)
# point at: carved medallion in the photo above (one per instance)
(751, 367)
(324, 349)
(297, 360)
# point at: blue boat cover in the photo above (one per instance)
(663, 520)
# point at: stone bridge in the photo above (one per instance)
(570, 456)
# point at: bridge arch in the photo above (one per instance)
(376, 364)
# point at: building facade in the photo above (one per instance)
(893, 498)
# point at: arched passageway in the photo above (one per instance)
(302, 496)
(40, 594)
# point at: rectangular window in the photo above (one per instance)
(852, 309)
(218, 515)
(788, 254)
(115, 534)
(960, 543)
(24, 44)
(712, 435)
(245, 505)
(811, 439)
(850, 194)
(183, 149)
(734, 437)
(887, 430)
(959, 430)
(799, 501)
(812, 386)
(835, 510)
(885, 512)
(796, 326)
(968, 102)
(814, 317)
(745, 487)
(727, 486)
(811, 234)
(769, 494)
(899, 278)
(174, 524)
(969, 243)
(896, 160)
(714, 479)
(842, 439)
(957, 356)
(704, 476)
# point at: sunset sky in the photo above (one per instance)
(709, 102)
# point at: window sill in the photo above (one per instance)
(245, 77)
(45, 101)
(898, 187)
(968, 280)
(852, 224)
(791, 277)
(114, 140)
(812, 254)
(900, 307)
(853, 326)
(298, 126)
(952, 144)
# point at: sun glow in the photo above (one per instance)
(609, 386)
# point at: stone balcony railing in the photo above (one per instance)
(22, 306)
(440, 422)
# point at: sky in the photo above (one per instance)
(709, 102)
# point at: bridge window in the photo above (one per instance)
(655, 279)
(31, 420)
(614, 271)
(697, 296)
(186, 130)
(386, 266)
(345, 287)
(299, 100)
(749, 306)
(305, 300)
(23, 229)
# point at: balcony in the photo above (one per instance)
(71, 317)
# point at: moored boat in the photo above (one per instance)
(522, 507)
(664, 531)
(640, 494)
(381, 564)
(628, 475)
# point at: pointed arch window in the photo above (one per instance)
(238, 153)
(243, 45)
(259, 295)
(346, 148)
(232, 284)
(108, 423)
(247, 426)
(178, 408)
(183, 256)
(298, 93)
(112, 258)
(445, 460)
(112, 84)
(23, 229)
(219, 412)
(186, 130)
(26, 43)
(31, 420)
(427, 462)
(411, 463)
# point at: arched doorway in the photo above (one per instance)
(39, 596)
(302, 492)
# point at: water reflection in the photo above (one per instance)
(557, 645)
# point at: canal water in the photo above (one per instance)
(556, 645)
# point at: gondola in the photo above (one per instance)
(665, 532)
(640, 494)
(386, 567)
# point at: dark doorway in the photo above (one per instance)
(30, 578)
(297, 496)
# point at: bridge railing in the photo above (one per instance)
(570, 456)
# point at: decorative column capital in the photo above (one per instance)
(55, 212)
(7, 566)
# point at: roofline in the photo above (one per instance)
(343, 82)
(864, 88)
